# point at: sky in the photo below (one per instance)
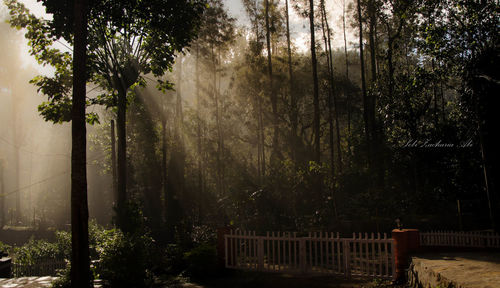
(299, 27)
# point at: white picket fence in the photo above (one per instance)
(460, 239)
(46, 267)
(319, 252)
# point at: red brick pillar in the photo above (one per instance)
(221, 248)
(406, 241)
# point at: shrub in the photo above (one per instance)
(174, 258)
(124, 260)
(4, 249)
(63, 278)
(36, 251)
(202, 261)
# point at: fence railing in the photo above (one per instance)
(46, 267)
(319, 252)
(460, 239)
(371, 255)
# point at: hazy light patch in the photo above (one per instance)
(237, 11)
(36, 8)
(302, 41)
(27, 60)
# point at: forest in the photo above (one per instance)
(170, 119)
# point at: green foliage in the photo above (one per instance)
(36, 251)
(4, 249)
(125, 260)
(132, 217)
(174, 259)
(202, 261)
(63, 278)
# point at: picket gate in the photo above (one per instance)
(317, 253)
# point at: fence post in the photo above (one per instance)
(346, 248)
(221, 248)
(260, 253)
(302, 254)
(406, 241)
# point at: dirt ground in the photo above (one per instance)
(26, 282)
(238, 279)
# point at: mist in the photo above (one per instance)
(35, 155)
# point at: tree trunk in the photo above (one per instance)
(179, 134)
(274, 102)
(331, 102)
(2, 196)
(198, 134)
(334, 96)
(122, 155)
(217, 124)
(164, 159)
(316, 120)
(221, 131)
(363, 86)
(346, 93)
(113, 162)
(293, 99)
(18, 172)
(373, 68)
(330, 93)
(80, 261)
(262, 141)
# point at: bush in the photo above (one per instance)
(4, 249)
(36, 251)
(202, 261)
(174, 259)
(63, 278)
(124, 260)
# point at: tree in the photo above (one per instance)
(272, 91)
(366, 106)
(127, 39)
(215, 37)
(314, 64)
(80, 261)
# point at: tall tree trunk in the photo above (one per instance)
(373, 68)
(18, 182)
(217, 124)
(346, 93)
(378, 168)
(274, 100)
(330, 93)
(371, 36)
(314, 62)
(113, 162)
(293, 99)
(198, 134)
(2, 196)
(179, 133)
(262, 142)
(164, 159)
(122, 155)
(221, 132)
(435, 94)
(334, 96)
(331, 102)
(80, 261)
(363, 86)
